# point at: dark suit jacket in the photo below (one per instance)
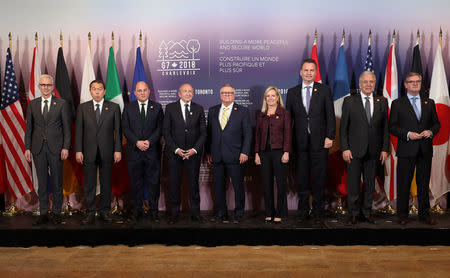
(57, 128)
(178, 134)
(227, 145)
(357, 134)
(280, 130)
(403, 119)
(107, 136)
(321, 118)
(135, 129)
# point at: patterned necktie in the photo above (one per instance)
(416, 109)
(224, 118)
(45, 112)
(186, 112)
(367, 108)
(143, 112)
(97, 113)
(308, 97)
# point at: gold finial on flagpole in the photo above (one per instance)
(36, 39)
(112, 39)
(140, 39)
(89, 40)
(343, 36)
(418, 36)
(315, 36)
(61, 38)
(440, 36)
(370, 36)
(10, 41)
(393, 37)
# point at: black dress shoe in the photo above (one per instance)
(56, 219)
(302, 218)
(89, 220)
(352, 220)
(428, 220)
(368, 219)
(42, 219)
(198, 219)
(106, 218)
(173, 219)
(238, 219)
(222, 219)
(155, 217)
(318, 220)
(403, 221)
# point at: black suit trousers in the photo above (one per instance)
(405, 172)
(90, 184)
(144, 173)
(43, 161)
(273, 167)
(235, 171)
(192, 165)
(367, 167)
(311, 164)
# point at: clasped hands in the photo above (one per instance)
(417, 136)
(185, 154)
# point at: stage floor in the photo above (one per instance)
(18, 231)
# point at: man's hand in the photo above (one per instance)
(181, 152)
(243, 158)
(79, 157)
(143, 145)
(328, 143)
(117, 157)
(28, 155)
(414, 136)
(426, 134)
(257, 159)
(285, 157)
(64, 154)
(383, 157)
(189, 153)
(347, 156)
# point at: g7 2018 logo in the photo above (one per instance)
(179, 57)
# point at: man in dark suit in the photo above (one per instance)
(414, 122)
(142, 126)
(228, 147)
(314, 124)
(47, 137)
(364, 136)
(184, 130)
(98, 144)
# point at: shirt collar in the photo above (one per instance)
(184, 103)
(310, 85)
(229, 106)
(49, 99)
(100, 102)
(145, 102)
(411, 96)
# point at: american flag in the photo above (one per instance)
(368, 66)
(12, 124)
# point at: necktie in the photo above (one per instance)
(186, 112)
(45, 112)
(416, 109)
(224, 118)
(308, 97)
(97, 112)
(143, 111)
(367, 108)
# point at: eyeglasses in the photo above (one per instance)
(414, 81)
(227, 93)
(368, 82)
(46, 85)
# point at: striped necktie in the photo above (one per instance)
(224, 118)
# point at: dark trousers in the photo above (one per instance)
(367, 167)
(144, 173)
(311, 164)
(405, 172)
(90, 184)
(235, 171)
(192, 165)
(44, 161)
(273, 167)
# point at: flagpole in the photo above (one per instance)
(140, 39)
(112, 40)
(370, 37)
(343, 36)
(315, 36)
(61, 38)
(89, 40)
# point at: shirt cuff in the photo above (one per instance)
(176, 150)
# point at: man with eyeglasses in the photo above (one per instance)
(364, 137)
(413, 120)
(228, 147)
(47, 140)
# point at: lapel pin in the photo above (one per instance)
(106, 108)
(378, 99)
(151, 107)
(277, 117)
(426, 102)
(54, 103)
(190, 113)
(235, 109)
(315, 89)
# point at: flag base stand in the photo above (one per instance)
(339, 209)
(68, 210)
(437, 208)
(412, 208)
(13, 211)
(387, 209)
(116, 209)
(145, 208)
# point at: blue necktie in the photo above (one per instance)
(416, 109)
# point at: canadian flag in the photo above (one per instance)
(440, 168)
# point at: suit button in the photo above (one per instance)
(185, 130)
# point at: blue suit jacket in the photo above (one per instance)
(135, 129)
(226, 145)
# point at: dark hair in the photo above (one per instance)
(411, 74)
(98, 81)
(309, 61)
